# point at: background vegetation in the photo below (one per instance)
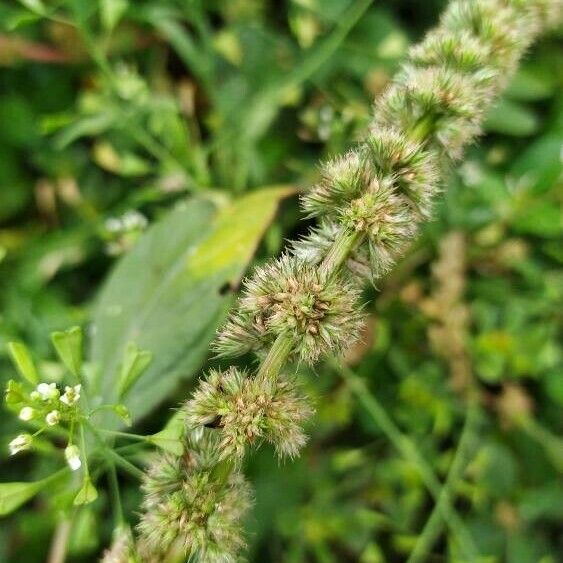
(118, 115)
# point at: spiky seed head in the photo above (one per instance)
(342, 179)
(505, 31)
(122, 549)
(407, 165)
(462, 51)
(191, 509)
(247, 410)
(386, 221)
(446, 104)
(290, 297)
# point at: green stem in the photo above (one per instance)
(552, 445)
(137, 437)
(435, 523)
(84, 452)
(409, 451)
(343, 244)
(276, 358)
(120, 461)
(116, 496)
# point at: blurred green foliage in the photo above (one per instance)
(108, 106)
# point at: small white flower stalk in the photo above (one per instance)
(121, 233)
(62, 411)
(306, 305)
(246, 409)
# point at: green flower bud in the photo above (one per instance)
(246, 410)
(287, 296)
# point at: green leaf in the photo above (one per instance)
(111, 12)
(87, 492)
(68, 345)
(170, 437)
(123, 412)
(13, 495)
(15, 393)
(532, 83)
(134, 364)
(511, 118)
(540, 218)
(21, 358)
(172, 291)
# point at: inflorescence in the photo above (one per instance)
(305, 305)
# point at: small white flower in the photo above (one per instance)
(27, 413)
(20, 443)
(134, 220)
(71, 395)
(113, 225)
(34, 395)
(72, 455)
(53, 418)
(48, 391)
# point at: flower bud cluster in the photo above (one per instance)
(193, 506)
(319, 314)
(433, 109)
(246, 409)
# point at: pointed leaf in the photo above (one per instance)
(13, 495)
(170, 437)
(134, 364)
(87, 492)
(68, 345)
(123, 412)
(22, 360)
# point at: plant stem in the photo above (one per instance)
(409, 451)
(344, 243)
(116, 505)
(59, 544)
(137, 437)
(276, 358)
(464, 450)
(120, 461)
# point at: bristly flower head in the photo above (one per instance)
(385, 220)
(122, 549)
(191, 509)
(406, 164)
(386, 157)
(497, 25)
(435, 103)
(246, 409)
(287, 296)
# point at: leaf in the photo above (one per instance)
(171, 292)
(15, 394)
(540, 163)
(123, 412)
(540, 218)
(22, 360)
(134, 364)
(111, 12)
(68, 345)
(511, 118)
(13, 495)
(87, 492)
(169, 438)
